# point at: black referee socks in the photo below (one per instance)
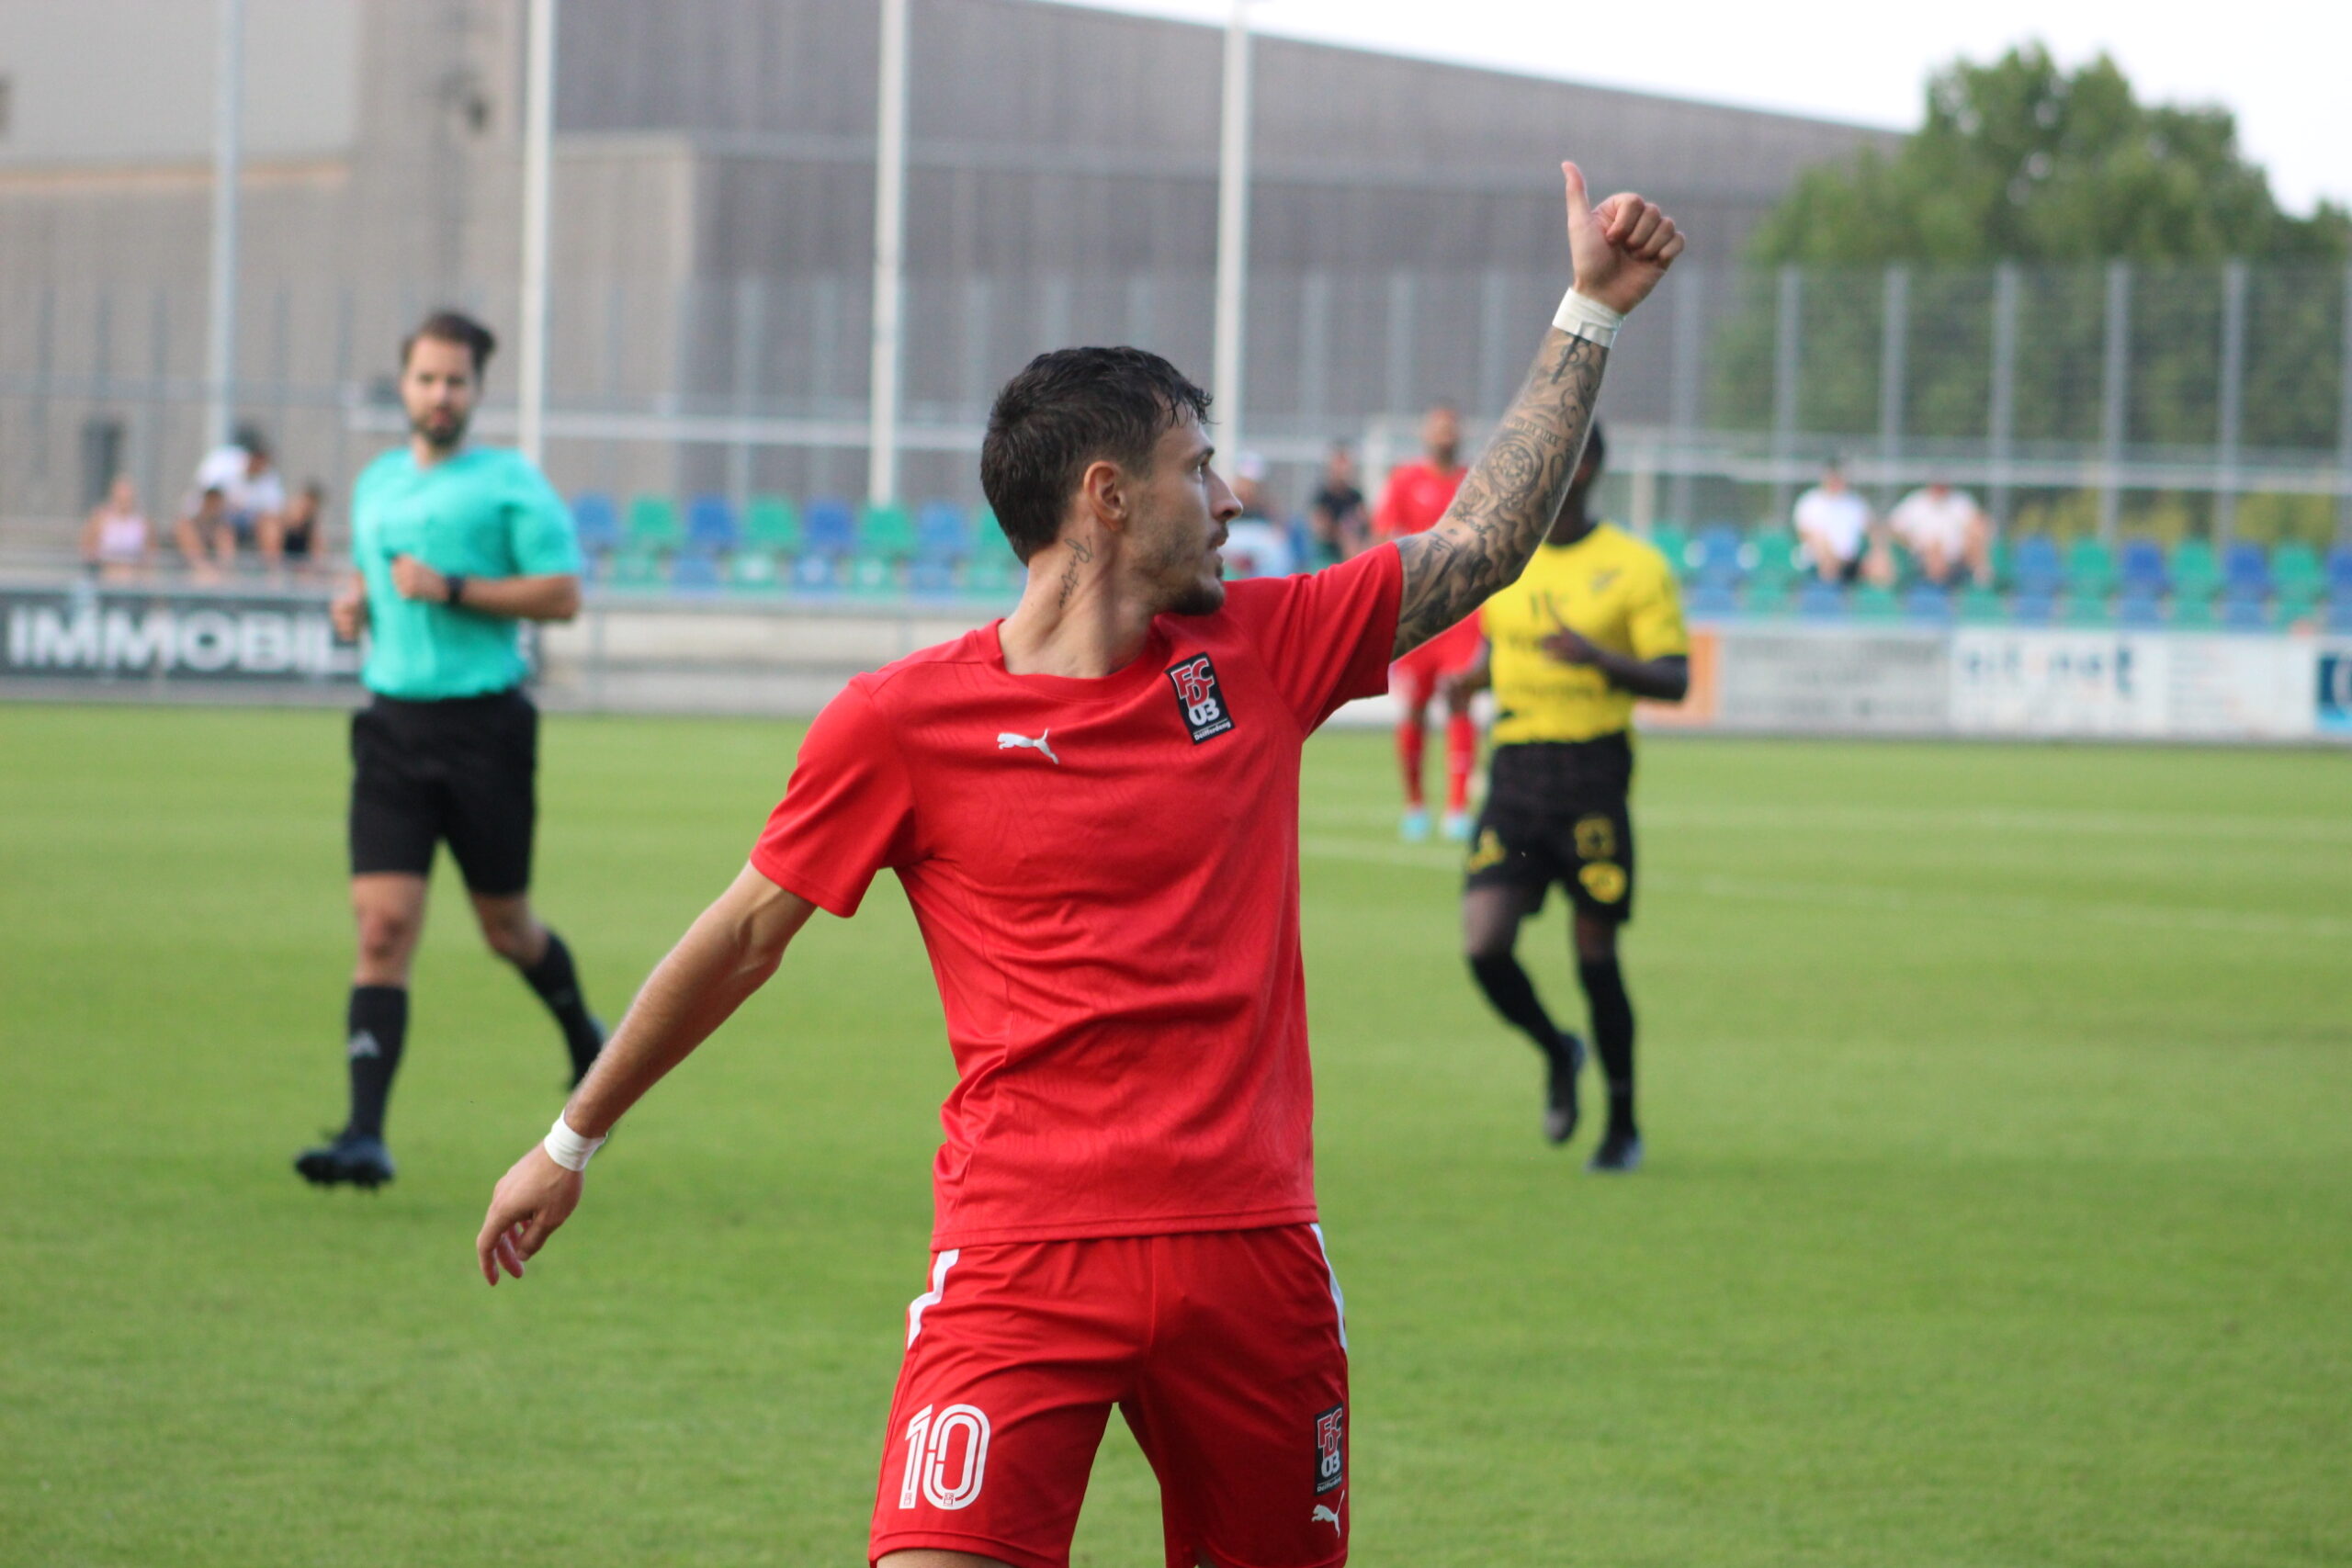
(375, 1027)
(558, 985)
(1613, 1035)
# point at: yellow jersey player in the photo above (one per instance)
(1593, 624)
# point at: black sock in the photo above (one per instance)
(1613, 1035)
(375, 1027)
(558, 985)
(1513, 994)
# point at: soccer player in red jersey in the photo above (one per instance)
(1092, 805)
(1415, 497)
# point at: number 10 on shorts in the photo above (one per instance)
(930, 1445)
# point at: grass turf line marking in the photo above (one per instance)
(2318, 928)
(1838, 818)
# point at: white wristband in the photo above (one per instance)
(567, 1148)
(1589, 318)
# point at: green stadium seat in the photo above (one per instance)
(2305, 601)
(653, 522)
(754, 571)
(771, 522)
(1998, 554)
(1872, 603)
(2090, 569)
(2194, 614)
(1981, 606)
(874, 576)
(1674, 544)
(637, 569)
(2295, 568)
(886, 531)
(1757, 597)
(2196, 573)
(1776, 558)
(2079, 609)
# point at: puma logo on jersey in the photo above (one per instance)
(1324, 1514)
(1008, 742)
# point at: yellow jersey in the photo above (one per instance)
(1608, 586)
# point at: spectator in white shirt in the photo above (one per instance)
(1254, 546)
(116, 540)
(1946, 532)
(1835, 529)
(251, 510)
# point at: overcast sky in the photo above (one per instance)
(2280, 65)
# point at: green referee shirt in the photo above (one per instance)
(484, 512)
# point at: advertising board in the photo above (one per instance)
(81, 634)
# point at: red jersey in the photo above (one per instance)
(1106, 876)
(1415, 497)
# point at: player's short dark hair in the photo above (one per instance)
(454, 326)
(1064, 410)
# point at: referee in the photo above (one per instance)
(1593, 624)
(454, 546)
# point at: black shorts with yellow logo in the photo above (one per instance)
(1555, 812)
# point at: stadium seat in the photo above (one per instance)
(1715, 555)
(2339, 608)
(2139, 608)
(2090, 569)
(2001, 555)
(885, 531)
(930, 576)
(1926, 602)
(1774, 559)
(2295, 569)
(653, 522)
(2339, 570)
(710, 523)
(2295, 606)
(940, 533)
(2037, 569)
(771, 522)
(1872, 603)
(1673, 542)
(694, 572)
(1981, 606)
(1708, 601)
(874, 576)
(2141, 568)
(2084, 610)
(597, 521)
(2033, 609)
(815, 572)
(992, 571)
(829, 529)
(636, 569)
(2245, 608)
(2245, 570)
(2193, 614)
(2196, 574)
(1760, 597)
(753, 571)
(1820, 601)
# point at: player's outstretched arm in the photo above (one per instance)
(726, 955)
(1620, 250)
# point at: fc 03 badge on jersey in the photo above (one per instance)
(1200, 698)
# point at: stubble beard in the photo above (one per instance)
(426, 429)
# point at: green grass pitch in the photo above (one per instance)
(1999, 1210)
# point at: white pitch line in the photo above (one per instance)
(2156, 916)
(1844, 819)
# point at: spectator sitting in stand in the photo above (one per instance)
(298, 535)
(253, 497)
(1337, 518)
(1254, 544)
(117, 540)
(205, 536)
(1947, 533)
(1841, 544)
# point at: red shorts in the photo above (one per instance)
(1225, 1350)
(1413, 679)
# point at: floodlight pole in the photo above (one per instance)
(538, 134)
(1232, 230)
(889, 240)
(228, 158)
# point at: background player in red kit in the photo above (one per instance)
(1093, 808)
(1416, 496)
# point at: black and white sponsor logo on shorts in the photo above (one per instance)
(78, 634)
(1200, 698)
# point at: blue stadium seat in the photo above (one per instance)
(710, 523)
(696, 572)
(2143, 568)
(2033, 609)
(597, 520)
(2339, 570)
(2037, 569)
(2246, 608)
(1711, 601)
(815, 573)
(2245, 570)
(2339, 607)
(1821, 601)
(2137, 606)
(1715, 554)
(1926, 602)
(829, 529)
(932, 577)
(942, 533)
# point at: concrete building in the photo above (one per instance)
(713, 224)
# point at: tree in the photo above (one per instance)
(2020, 162)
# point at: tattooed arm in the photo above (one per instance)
(1508, 500)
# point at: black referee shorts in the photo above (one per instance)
(463, 769)
(1556, 811)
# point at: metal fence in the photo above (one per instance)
(2159, 400)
